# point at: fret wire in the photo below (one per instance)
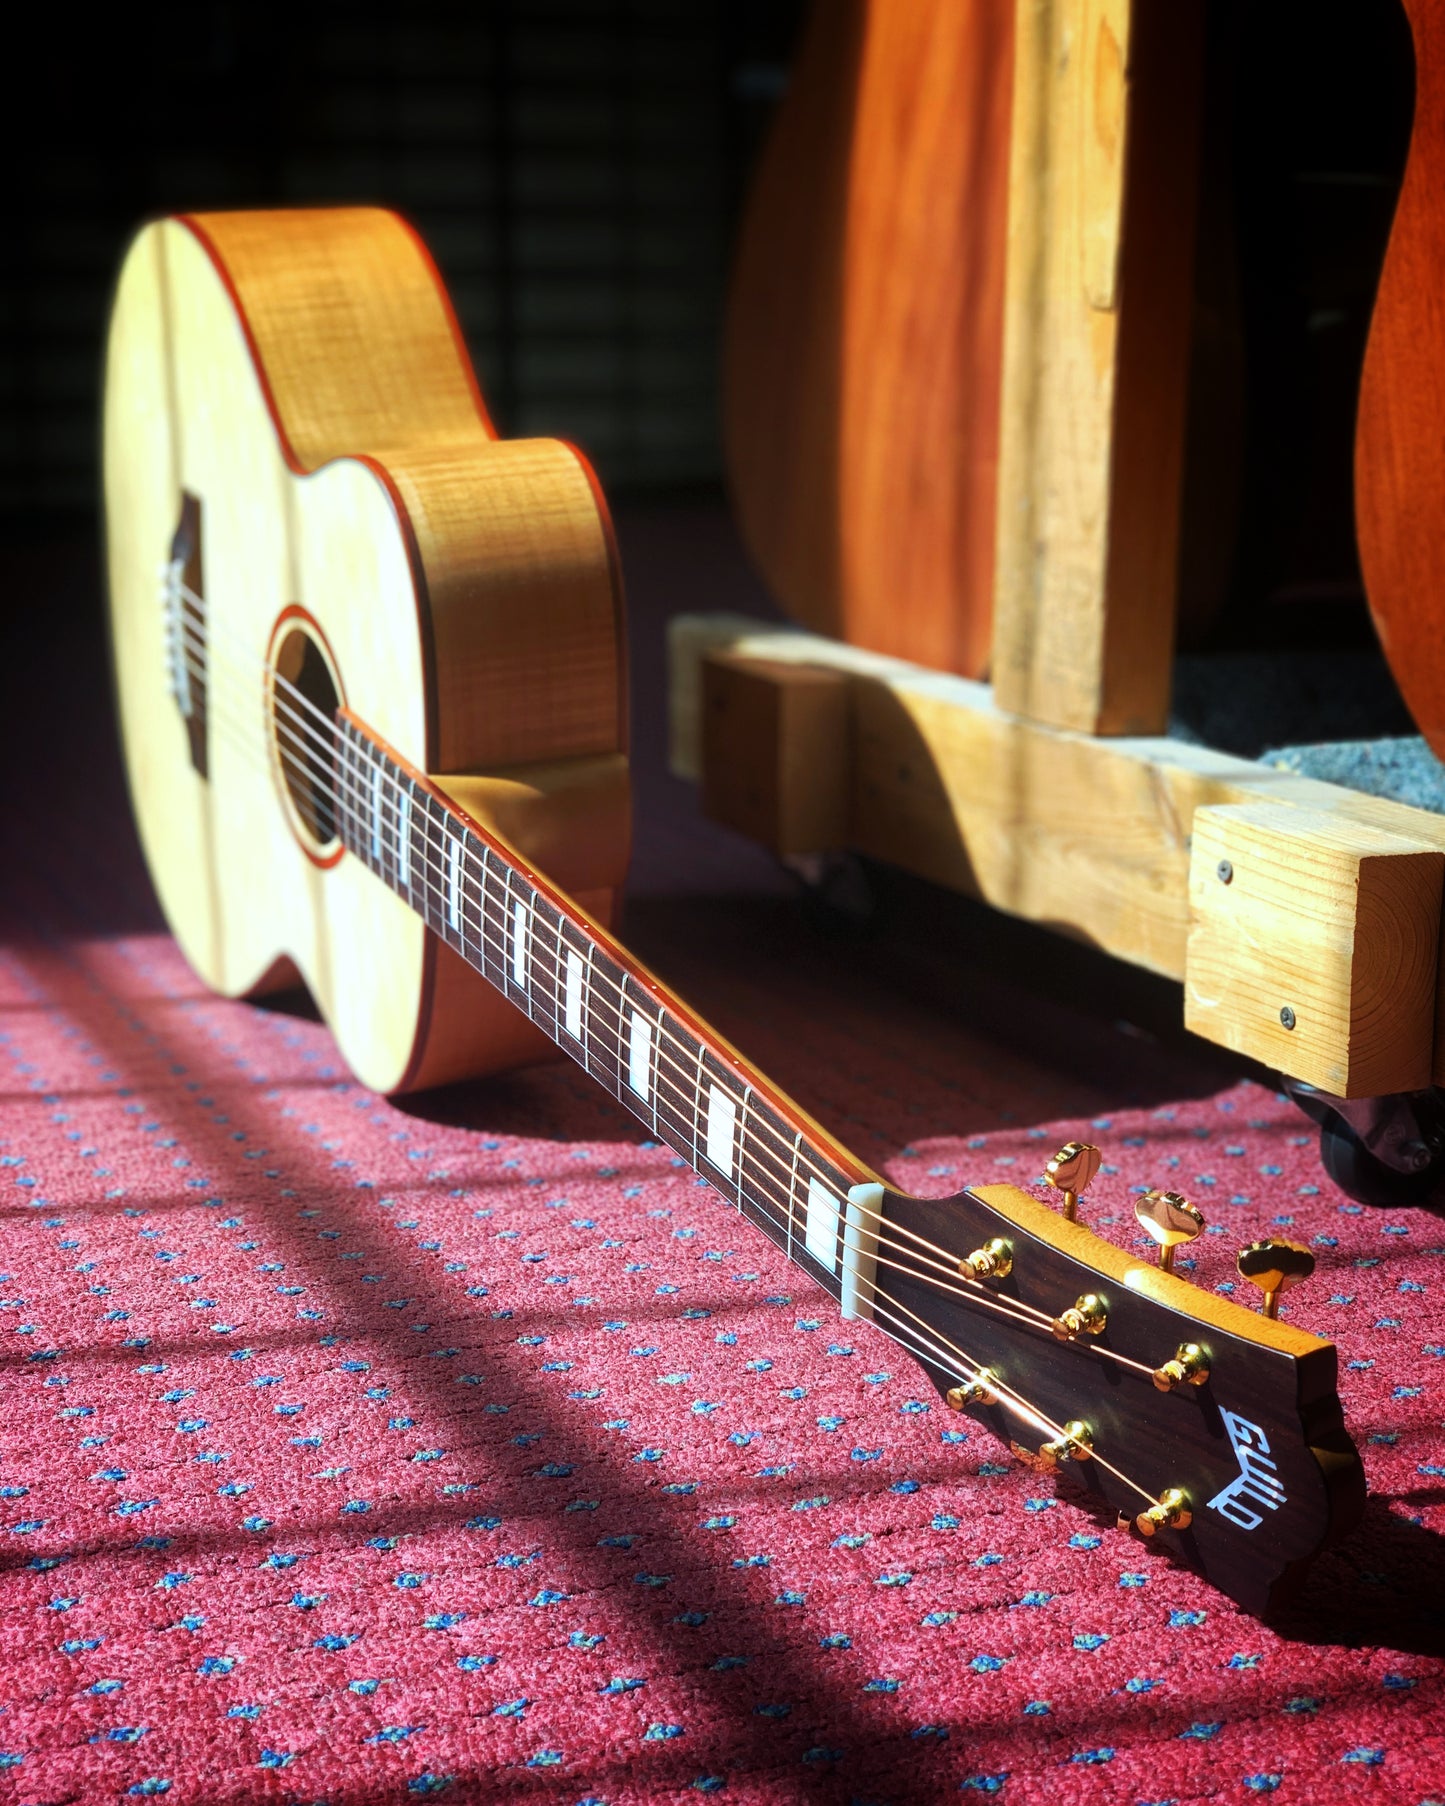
(697, 1106)
(474, 874)
(587, 1007)
(538, 915)
(654, 1038)
(793, 1189)
(743, 1151)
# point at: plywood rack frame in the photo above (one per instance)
(1303, 920)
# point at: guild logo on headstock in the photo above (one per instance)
(1258, 1482)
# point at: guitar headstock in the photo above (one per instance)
(1211, 1430)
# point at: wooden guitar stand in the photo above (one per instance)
(1302, 919)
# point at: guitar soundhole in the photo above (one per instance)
(305, 696)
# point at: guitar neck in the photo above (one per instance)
(588, 995)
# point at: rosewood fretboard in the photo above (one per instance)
(583, 991)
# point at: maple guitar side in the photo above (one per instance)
(1400, 429)
(299, 376)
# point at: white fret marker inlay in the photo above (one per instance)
(574, 994)
(519, 942)
(639, 1055)
(722, 1117)
(454, 884)
(820, 1234)
(403, 839)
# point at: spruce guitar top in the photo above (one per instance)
(369, 669)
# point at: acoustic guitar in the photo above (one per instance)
(369, 669)
(1400, 427)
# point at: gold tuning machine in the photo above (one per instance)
(1171, 1513)
(1170, 1219)
(1274, 1267)
(977, 1391)
(994, 1260)
(1074, 1443)
(1089, 1317)
(1190, 1367)
(1071, 1171)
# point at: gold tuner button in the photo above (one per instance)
(977, 1391)
(1089, 1317)
(1274, 1267)
(1170, 1219)
(1171, 1513)
(1071, 1171)
(1190, 1367)
(1075, 1443)
(994, 1260)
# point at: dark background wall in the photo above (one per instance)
(575, 165)
(578, 167)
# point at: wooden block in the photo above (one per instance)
(1314, 945)
(1097, 307)
(775, 752)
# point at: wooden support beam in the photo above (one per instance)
(776, 761)
(1097, 309)
(1314, 945)
(1090, 836)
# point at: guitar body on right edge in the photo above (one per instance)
(1400, 433)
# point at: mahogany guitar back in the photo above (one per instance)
(1400, 434)
(865, 326)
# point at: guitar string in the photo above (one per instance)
(1007, 1394)
(1016, 1310)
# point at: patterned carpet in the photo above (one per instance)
(353, 1453)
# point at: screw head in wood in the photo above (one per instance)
(1286, 1017)
(1224, 871)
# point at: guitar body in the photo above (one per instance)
(1400, 431)
(865, 329)
(289, 406)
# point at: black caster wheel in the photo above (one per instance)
(1386, 1151)
(1369, 1181)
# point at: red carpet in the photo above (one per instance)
(350, 1457)
(354, 1454)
